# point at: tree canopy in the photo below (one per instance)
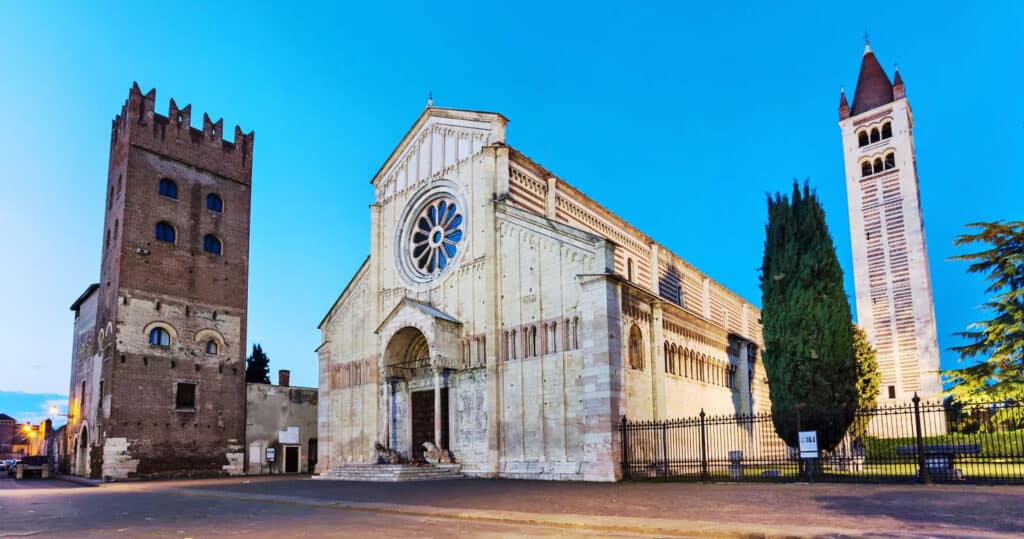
(257, 366)
(997, 344)
(869, 381)
(808, 339)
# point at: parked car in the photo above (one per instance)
(3, 465)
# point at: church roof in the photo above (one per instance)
(873, 86)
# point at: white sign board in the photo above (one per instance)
(270, 454)
(809, 444)
(254, 453)
(289, 435)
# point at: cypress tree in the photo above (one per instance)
(808, 337)
(257, 366)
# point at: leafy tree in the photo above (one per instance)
(808, 352)
(999, 376)
(869, 381)
(257, 366)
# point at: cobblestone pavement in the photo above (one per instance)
(282, 507)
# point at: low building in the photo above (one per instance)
(283, 419)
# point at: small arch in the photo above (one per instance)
(214, 203)
(211, 244)
(668, 358)
(168, 188)
(165, 232)
(533, 341)
(865, 168)
(575, 332)
(629, 269)
(887, 130)
(172, 333)
(878, 165)
(512, 345)
(862, 139)
(890, 160)
(875, 135)
(636, 348)
(553, 339)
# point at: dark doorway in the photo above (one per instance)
(291, 459)
(423, 420)
(311, 454)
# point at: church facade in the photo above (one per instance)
(505, 316)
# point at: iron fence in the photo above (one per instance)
(915, 441)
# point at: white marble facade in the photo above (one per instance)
(508, 317)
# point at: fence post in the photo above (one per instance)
(664, 447)
(703, 449)
(625, 448)
(922, 465)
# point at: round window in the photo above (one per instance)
(436, 237)
(431, 234)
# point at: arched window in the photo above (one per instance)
(679, 295)
(504, 346)
(636, 348)
(887, 130)
(165, 232)
(211, 244)
(668, 358)
(629, 269)
(878, 166)
(212, 347)
(553, 338)
(168, 188)
(533, 341)
(865, 168)
(875, 135)
(862, 139)
(160, 337)
(575, 332)
(890, 161)
(214, 203)
(512, 345)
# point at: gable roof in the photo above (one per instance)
(436, 112)
(5, 417)
(425, 308)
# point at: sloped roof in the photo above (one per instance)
(873, 86)
(5, 417)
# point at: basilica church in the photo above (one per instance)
(508, 318)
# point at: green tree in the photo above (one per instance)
(257, 366)
(807, 325)
(997, 344)
(869, 381)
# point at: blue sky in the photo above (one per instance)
(680, 118)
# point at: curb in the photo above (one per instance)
(78, 480)
(643, 526)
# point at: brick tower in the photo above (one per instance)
(890, 259)
(160, 390)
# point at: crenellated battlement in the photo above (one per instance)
(173, 136)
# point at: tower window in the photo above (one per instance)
(185, 396)
(887, 130)
(159, 337)
(878, 166)
(679, 295)
(629, 269)
(865, 168)
(168, 188)
(890, 161)
(212, 347)
(165, 232)
(214, 203)
(875, 136)
(211, 244)
(862, 139)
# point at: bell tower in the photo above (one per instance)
(890, 260)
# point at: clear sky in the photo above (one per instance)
(678, 116)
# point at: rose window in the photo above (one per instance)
(436, 236)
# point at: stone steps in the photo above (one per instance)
(392, 472)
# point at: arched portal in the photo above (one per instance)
(82, 452)
(417, 400)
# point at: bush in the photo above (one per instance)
(993, 444)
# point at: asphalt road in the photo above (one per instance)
(52, 508)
